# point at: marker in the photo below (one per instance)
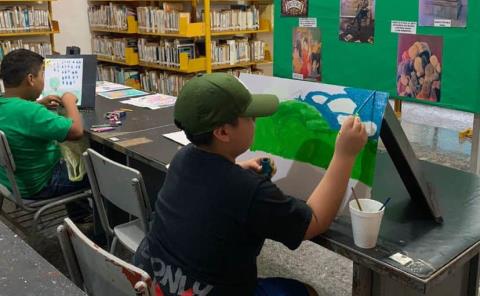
(372, 95)
(384, 203)
(102, 129)
(100, 125)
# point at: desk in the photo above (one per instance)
(445, 257)
(25, 272)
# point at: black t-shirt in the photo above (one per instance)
(211, 220)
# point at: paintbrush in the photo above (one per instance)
(372, 95)
(356, 199)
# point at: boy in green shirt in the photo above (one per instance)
(33, 131)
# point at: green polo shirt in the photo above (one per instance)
(32, 132)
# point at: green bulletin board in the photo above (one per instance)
(374, 66)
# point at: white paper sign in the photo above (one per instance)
(309, 22)
(404, 27)
(297, 76)
(442, 23)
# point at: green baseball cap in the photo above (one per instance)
(207, 101)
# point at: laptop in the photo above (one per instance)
(72, 73)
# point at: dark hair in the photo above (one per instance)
(18, 64)
(203, 139)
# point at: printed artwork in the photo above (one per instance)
(63, 75)
(301, 135)
(306, 54)
(443, 13)
(357, 20)
(294, 8)
(419, 67)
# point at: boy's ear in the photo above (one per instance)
(29, 79)
(222, 133)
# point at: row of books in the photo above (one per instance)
(111, 16)
(112, 47)
(42, 48)
(24, 19)
(240, 17)
(122, 75)
(160, 81)
(163, 82)
(236, 51)
(152, 19)
(165, 52)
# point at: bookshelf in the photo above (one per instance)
(179, 38)
(27, 24)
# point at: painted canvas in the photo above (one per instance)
(306, 54)
(419, 66)
(301, 135)
(443, 13)
(357, 21)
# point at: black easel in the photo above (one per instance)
(407, 164)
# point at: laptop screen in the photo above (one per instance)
(72, 73)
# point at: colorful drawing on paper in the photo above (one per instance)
(419, 66)
(294, 8)
(306, 54)
(306, 125)
(63, 75)
(443, 13)
(123, 93)
(357, 21)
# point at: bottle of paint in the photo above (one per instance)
(266, 167)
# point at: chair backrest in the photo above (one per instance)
(8, 164)
(119, 184)
(97, 271)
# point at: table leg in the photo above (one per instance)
(473, 276)
(362, 280)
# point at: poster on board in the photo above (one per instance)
(419, 67)
(294, 8)
(357, 21)
(443, 13)
(306, 54)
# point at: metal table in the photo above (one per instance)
(24, 272)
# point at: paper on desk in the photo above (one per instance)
(123, 93)
(155, 101)
(178, 137)
(104, 86)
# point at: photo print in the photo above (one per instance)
(443, 13)
(294, 8)
(306, 54)
(357, 21)
(419, 66)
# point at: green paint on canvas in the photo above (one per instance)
(298, 131)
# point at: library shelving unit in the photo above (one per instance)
(19, 34)
(27, 24)
(188, 28)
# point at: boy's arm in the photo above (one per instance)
(69, 102)
(328, 195)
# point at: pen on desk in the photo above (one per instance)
(356, 199)
(385, 203)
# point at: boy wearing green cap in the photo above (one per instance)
(213, 214)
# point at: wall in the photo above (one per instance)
(74, 29)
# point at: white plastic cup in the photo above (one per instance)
(366, 223)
